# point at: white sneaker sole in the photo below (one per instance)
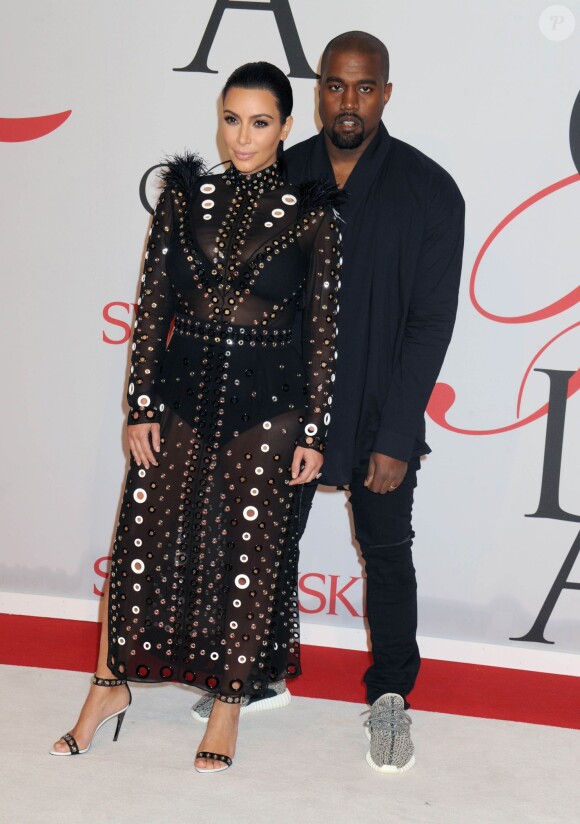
(387, 768)
(276, 702)
(390, 768)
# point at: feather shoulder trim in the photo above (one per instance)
(182, 171)
(320, 194)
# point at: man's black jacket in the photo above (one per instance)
(403, 245)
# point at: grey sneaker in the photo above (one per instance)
(388, 729)
(276, 697)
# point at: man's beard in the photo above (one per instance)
(347, 141)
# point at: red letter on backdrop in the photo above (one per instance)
(313, 592)
(123, 324)
(337, 594)
(100, 568)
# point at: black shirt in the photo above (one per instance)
(403, 244)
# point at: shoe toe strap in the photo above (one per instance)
(214, 756)
(71, 743)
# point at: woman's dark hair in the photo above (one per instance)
(262, 75)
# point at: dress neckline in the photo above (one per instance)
(259, 182)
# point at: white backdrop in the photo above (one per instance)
(487, 90)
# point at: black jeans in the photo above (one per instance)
(384, 532)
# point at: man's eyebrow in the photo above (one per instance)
(269, 116)
(362, 82)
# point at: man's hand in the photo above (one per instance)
(384, 474)
(144, 440)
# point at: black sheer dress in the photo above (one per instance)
(203, 585)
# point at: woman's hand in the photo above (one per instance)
(144, 440)
(306, 464)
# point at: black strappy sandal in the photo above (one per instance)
(120, 716)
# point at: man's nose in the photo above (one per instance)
(349, 101)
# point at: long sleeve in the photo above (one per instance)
(155, 310)
(319, 318)
(428, 327)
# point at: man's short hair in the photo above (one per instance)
(357, 41)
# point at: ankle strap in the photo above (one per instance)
(109, 682)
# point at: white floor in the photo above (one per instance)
(304, 763)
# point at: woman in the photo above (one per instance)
(225, 425)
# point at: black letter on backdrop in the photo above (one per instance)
(286, 26)
(536, 633)
(575, 133)
(549, 505)
(142, 188)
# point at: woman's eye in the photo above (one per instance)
(260, 123)
(229, 118)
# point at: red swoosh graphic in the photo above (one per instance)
(19, 129)
(443, 395)
(548, 311)
(443, 398)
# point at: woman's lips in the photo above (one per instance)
(244, 155)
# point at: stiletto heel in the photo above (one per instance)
(120, 720)
(119, 715)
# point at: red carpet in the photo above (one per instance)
(443, 686)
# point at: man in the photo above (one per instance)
(403, 242)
